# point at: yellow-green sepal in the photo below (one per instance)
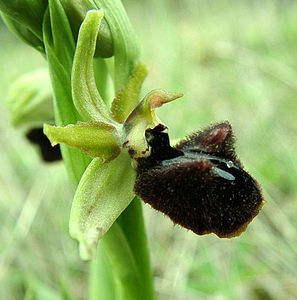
(127, 98)
(96, 139)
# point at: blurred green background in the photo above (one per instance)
(234, 60)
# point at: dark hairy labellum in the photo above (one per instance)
(48, 153)
(200, 183)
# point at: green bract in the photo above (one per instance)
(104, 191)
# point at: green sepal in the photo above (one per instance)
(86, 97)
(103, 193)
(96, 139)
(143, 117)
(30, 100)
(127, 98)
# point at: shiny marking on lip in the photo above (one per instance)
(200, 183)
(213, 159)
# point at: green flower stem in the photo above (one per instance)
(101, 279)
(132, 224)
(121, 258)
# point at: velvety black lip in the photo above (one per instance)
(200, 184)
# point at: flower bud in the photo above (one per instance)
(200, 183)
(28, 13)
(30, 100)
(24, 33)
(25, 19)
(30, 104)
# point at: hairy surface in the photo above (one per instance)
(200, 183)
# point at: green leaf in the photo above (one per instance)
(86, 97)
(62, 41)
(96, 139)
(60, 73)
(128, 97)
(104, 191)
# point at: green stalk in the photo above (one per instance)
(123, 264)
(132, 224)
(101, 278)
